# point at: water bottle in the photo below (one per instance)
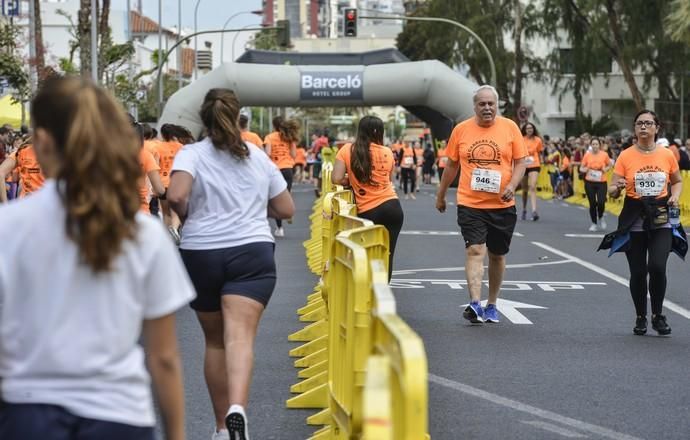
(674, 216)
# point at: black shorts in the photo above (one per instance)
(248, 270)
(493, 227)
(532, 170)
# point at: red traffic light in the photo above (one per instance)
(351, 15)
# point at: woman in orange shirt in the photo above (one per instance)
(166, 152)
(532, 160)
(594, 166)
(150, 179)
(648, 226)
(300, 163)
(281, 147)
(368, 167)
(25, 162)
(408, 164)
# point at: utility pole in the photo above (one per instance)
(94, 41)
(160, 52)
(179, 51)
(33, 74)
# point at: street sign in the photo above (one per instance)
(11, 8)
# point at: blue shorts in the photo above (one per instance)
(52, 422)
(248, 270)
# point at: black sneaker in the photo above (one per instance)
(236, 422)
(524, 215)
(659, 324)
(640, 326)
(535, 216)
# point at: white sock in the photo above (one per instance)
(237, 409)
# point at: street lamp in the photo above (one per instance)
(222, 38)
(234, 39)
(196, 12)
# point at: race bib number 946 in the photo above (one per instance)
(486, 180)
(650, 184)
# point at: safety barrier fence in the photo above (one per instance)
(361, 365)
(614, 206)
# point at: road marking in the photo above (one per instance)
(532, 410)
(462, 269)
(546, 286)
(584, 235)
(610, 275)
(553, 428)
(509, 308)
(444, 233)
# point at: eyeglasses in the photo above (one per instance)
(647, 124)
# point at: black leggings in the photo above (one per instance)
(287, 175)
(390, 215)
(408, 175)
(648, 254)
(596, 194)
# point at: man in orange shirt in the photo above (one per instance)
(30, 175)
(249, 136)
(490, 152)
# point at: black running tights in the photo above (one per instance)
(408, 175)
(390, 215)
(596, 194)
(647, 255)
(287, 175)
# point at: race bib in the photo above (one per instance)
(443, 161)
(486, 180)
(408, 160)
(529, 160)
(594, 175)
(650, 184)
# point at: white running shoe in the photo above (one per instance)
(223, 434)
(279, 232)
(236, 421)
(593, 228)
(602, 224)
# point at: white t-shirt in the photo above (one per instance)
(228, 205)
(68, 336)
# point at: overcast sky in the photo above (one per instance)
(212, 15)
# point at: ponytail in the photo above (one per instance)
(220, 114)
(98, 169)
(287, 128)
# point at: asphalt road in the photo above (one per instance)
(562, 363)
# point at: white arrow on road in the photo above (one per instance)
(509, 308)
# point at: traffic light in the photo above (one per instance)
(283, 35)
(350, 29)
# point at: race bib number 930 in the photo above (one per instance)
(650, 184)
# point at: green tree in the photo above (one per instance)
(677, 21)
(11, 65)
(492, 20)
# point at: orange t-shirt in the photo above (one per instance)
(673, 149)
(646, 174)
(396, 149)
(419, 152)
(301, 156)
(408, 158)
(595, 164)
(280, 151)
(148, 164)
(442, 158)
(486, 156)
(152, 146)
(30, 174)
(534, 147)
(250, 136)
(166, 154)
(380, 189)
(565, 164)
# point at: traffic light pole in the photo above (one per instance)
(164, 59)
(445, 20)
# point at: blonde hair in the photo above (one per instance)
(98, 169)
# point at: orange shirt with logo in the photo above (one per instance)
(280, 151)
(380, 188)
(148, 164)
(30, 175)
(596, 162)
(166, 153)
(534, 147)
(486, 156)
(646, 173)
(442, 157)
(250, 136)
(408, 158)
(301, 156)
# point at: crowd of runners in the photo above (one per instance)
(110, 187)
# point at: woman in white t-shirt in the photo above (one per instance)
(82, 275)
(224, 189)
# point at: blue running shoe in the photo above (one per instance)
(491, 313)
(474, 313)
